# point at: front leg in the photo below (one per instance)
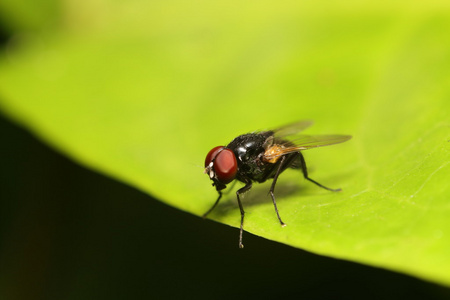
(215, 204)
(242, 190)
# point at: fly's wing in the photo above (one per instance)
(304, 142)
(292, 129)
(301, 142)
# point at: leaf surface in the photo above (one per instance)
(142, 91)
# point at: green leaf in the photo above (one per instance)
(142, 91)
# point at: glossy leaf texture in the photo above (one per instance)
(141, 91)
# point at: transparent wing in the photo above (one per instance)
(301, 142)
(292, 129)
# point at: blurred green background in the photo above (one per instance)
(140, 91)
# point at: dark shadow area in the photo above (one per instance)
(259, 194)
(69, 233)
(4, 36)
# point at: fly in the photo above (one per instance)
(263, 155)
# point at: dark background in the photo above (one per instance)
(69, 233)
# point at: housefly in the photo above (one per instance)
(263, 155)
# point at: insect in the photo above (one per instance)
(263, 155)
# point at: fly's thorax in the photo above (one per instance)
(249, 150)
(248, 147)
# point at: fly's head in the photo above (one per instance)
(221, 166)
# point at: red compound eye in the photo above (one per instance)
(225, 166)
(212, 154)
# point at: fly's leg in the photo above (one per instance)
(214, 206)
(218, 199)
(231, 187)
(305, 174)
(281, 167)
(247, 186)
